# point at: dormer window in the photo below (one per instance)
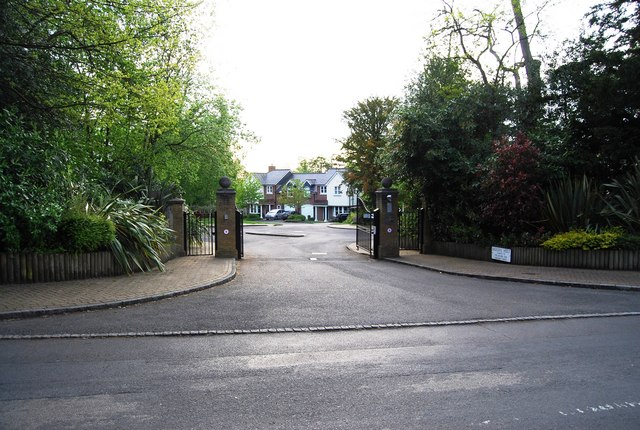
(269, 189)
(323, 189)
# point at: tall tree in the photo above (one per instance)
(488, 41)
(316, 164)
(294, 194)
(531, 65)
(110, 90)
(531, 98)
(596, 93)
(369, 123)
(512, 187)
(248, 191)
(444, 130)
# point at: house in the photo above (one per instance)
(328, 193)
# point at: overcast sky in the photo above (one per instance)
(296, 65)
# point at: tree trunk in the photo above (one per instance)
(531, 101)
(532, 66)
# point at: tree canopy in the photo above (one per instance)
(486, 149)
(105, 97)
(315, 164)
(595, 93)
(369, 124)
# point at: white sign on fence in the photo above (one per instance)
(501, 254)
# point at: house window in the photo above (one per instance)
(269, 189)
(323, 189)
(340, 210)
(254, 209)
(337, 190)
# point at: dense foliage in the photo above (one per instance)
(295, 194)
(315, 165)
(370, 125)
(585, 240)
(512, 187)
(595, 94)
(248, 190)
(85, 233)
(498, 153)
(99, 96)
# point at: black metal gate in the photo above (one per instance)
(366, 229)
(411, 229)
(198, 233)
(240, 234)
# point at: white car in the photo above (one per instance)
(276, 214)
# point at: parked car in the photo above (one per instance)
(276, 214)
(341, 217)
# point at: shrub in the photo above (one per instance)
(142, 235)
(34, 188)
(461, 233)
(511, 187)
(351, 219)
(585, 240)
(572, 204)
(296, 218)
(85, 233)
(623, 200)
(252, 217)
(630, 242)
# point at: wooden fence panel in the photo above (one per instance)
(604, 259)
(31, 267)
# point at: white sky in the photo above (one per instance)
(296, 65)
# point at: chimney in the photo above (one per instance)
(272, 168)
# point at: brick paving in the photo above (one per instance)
(182, 275)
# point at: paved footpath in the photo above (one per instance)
(182, 275)
(585, 278)
(187, 274)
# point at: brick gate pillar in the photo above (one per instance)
(226, 220)
(388, 235)
(175, 219)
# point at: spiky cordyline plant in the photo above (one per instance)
(623, 200)
(143, 237)
(572, 204)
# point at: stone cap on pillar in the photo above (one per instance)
(386, 183)
(175, 201)
(225, 185)
(225, 182)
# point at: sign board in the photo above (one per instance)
(501, 254)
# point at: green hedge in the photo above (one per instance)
(85, 233)
(585, 240)
(296, 218)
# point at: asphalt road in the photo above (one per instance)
(571, 373)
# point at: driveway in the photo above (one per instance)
(310, 279)
(148, 367)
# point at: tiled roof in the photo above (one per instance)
(274, 177)
(279, 176)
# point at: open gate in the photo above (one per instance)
(240, 234)
(366, 228)
(198, 233)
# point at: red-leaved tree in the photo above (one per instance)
(512, 187)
